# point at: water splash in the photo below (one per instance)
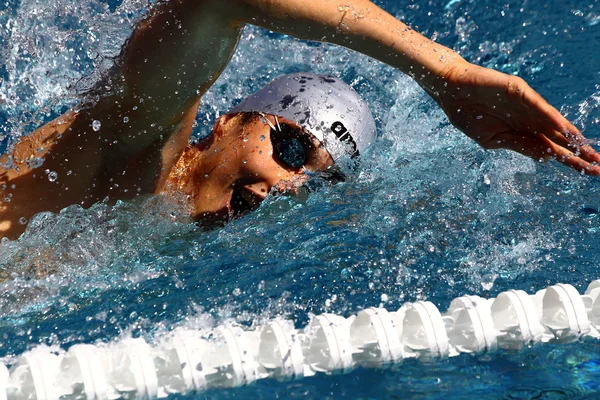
(428, 215)
(80, 252)
(52, 52)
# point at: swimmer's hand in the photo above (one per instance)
(502, 111)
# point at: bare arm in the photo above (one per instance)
(357, 24)
(147, 104)
(494, 109)
(180, 49)
(129, 131)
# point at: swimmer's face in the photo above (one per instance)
(247, 160)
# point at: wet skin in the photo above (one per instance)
(237, 167)
(148, 101)
(236, 161)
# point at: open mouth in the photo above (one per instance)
(243, 201)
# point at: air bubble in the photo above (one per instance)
(96, 125)
(52, 176)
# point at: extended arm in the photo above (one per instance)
(180, 49)
(494, 109)
(125, 139)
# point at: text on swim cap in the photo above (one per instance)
(344, 136)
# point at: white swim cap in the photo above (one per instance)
(324, 105)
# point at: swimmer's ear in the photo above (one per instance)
(227, 122)
(223, 119)
(221, 123)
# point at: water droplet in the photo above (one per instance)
(487, 281)
(126, 119)
(262, 138)
(245, 161)
(35, 162)
(96, 125)
(22, 220)
(578, 13)
(479, 117)
(52, 175)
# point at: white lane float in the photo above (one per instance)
(229, 356)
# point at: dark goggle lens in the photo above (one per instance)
(288, 149)
(291, 152)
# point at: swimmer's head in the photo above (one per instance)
(323, 105)
(296, 126)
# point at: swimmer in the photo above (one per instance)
(129, 136)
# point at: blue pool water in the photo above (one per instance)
(429, 215)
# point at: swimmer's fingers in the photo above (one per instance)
(558, 129)
(572, 160)
(576, 143)
(541, 148)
